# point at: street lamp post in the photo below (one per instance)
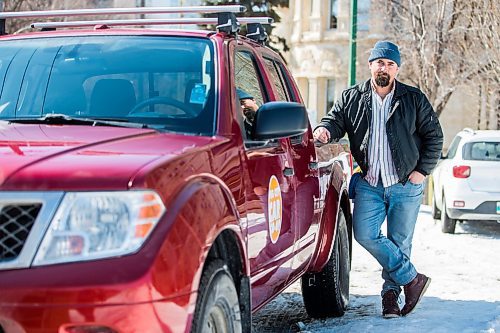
(352, 59)
(2, 21)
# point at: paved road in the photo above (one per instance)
(464, 295)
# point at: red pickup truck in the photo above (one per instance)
(136, 195)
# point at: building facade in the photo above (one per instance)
(318, 34)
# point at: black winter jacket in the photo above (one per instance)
(413, 130)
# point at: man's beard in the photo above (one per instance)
(249, 114)
(382, 80)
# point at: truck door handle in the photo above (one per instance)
(288, 172)
(313, 166)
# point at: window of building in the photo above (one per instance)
(103, 3)
(330, 94)
(334, 13)
(304, 88)
(363, 18)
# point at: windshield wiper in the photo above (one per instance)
(62, 119)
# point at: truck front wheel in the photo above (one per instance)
(326, 293)
(217, 307)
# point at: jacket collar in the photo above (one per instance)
(365, 87)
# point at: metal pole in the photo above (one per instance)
(2, 21)
(354, 29)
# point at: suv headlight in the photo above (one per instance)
(92, 225)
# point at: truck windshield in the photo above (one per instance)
(163, 82)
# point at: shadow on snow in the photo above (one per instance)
(287, 314)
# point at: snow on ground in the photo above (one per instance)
(464, 295)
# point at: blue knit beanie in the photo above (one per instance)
(242, 94)
(386, 50)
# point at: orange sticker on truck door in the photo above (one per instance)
(274, 209)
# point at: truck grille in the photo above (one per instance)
(16, 222)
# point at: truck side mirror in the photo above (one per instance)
(276, 120)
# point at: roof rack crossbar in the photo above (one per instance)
(121, 11)
(144, 22)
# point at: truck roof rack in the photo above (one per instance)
(121, 11)
(226, 20)
(129, 22)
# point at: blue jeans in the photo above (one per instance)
(400, 204)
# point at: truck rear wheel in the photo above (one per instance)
(217, 307)
(326, 293)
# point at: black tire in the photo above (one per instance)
(326, 293)
(217, 307)
(447, 224)
(436, 213)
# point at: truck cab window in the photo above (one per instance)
(249, 94)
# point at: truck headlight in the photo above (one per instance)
(92, 225)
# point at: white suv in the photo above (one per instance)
(466, 180)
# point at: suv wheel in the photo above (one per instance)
(436, 213)
(217, 307)
(326, 293)
(447, 224)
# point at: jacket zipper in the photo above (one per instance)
(366, 140)
(394, 106)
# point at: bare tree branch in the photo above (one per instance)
(447, 44)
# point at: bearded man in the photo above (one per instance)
(396, 138)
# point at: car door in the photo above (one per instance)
(269, 187)
(305, 217)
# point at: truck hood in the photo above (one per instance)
(61, 157)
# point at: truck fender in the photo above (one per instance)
(336, 198)
(205, 198)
